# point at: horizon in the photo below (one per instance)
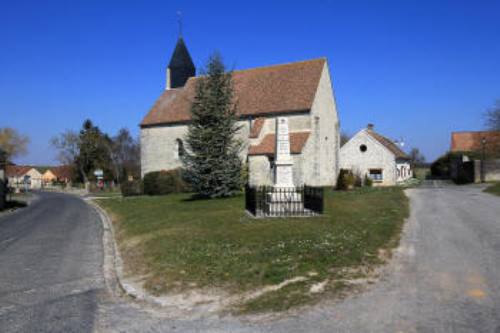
(418, 71)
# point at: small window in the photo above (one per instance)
(376, 175)
(179, 148)
(363, 148)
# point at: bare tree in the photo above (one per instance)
(492, 117)
(13, 143)
(67, 144)
(416, 157)
(125, 155)
(344, 137)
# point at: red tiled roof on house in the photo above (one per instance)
(388, 143)
(471, 141)
(268, 144)
(63, 172)
(258, 91)
(257, 127)
(16, 170)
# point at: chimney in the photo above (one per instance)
(370, 126)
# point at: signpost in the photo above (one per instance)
(100, 175)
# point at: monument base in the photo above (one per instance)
(284, 201)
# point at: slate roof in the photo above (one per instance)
(180, 56)
(286, 88)
(389, 144)
(471, 140)
(268, 144)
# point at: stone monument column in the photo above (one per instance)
(283, 174)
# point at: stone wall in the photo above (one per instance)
(376, 156)
(2, 189)
(491, 170)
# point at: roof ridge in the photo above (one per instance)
(280, 65)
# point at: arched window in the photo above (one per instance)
(179, 148)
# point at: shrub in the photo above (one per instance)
(368, 181)
(164, 182)
(131, 188)
(346, 180)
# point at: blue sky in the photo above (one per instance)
(416, 69)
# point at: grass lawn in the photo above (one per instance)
(180, 244)
(493, 189)
(422, 173)
(106, 194)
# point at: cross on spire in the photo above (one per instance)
(179, 21)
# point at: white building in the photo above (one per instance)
(369, 153)
(22, 177)
(301, 91)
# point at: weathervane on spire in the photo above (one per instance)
(179, 20)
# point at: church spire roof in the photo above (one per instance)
(181, 56)
(181, 66)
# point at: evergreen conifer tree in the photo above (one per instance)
(211, 161)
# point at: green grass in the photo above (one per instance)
(180, 244)
(106, 194)
(422, 173)
(493, 189)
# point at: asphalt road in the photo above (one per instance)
(50, 266)
(445, 277)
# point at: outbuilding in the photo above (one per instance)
(371, 154)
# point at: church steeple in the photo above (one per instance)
(181, 66)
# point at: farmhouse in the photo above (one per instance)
(20, 177)
(301, 91)
(477, 156)
(371, 154)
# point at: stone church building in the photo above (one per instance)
(301, 91)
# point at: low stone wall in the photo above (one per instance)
(491, 170)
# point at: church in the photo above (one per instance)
(301, 91)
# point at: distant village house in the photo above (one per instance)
(476, 156)
(373, 155)
(23, 177)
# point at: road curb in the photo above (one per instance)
(113, 263)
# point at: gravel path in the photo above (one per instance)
(445, 277)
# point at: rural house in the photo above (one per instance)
(301, 91)
(476, 156)
(370, 154)
(18, 176)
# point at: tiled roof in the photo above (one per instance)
(471, 141)
(63, 172)
(257, 127)
(16, 170)
(268, 144)
(389, 144)
(264, 90)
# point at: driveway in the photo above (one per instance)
(445, 277)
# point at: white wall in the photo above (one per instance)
(375, 157)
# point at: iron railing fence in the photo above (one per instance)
(268, 201)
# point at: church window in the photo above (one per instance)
(179, 148)
(363, 148)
